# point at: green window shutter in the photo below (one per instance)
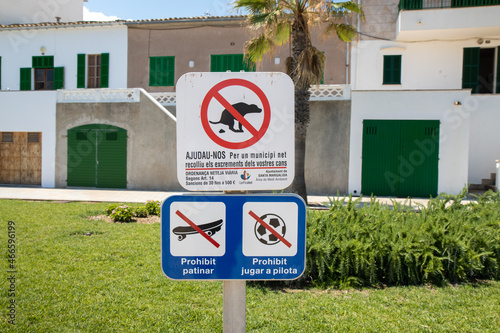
(105, 70)
(230, 62)
(392, 69)
(169, 71)
(498, 70)
(25, 79)
(322, 81)
(470, 73)
(80, 74)
(42, 62)
(58, 78)
(214, 63)
(153, 69)
(161, 71)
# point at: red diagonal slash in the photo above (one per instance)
(195, 227)
(235, 113)
(271, 229)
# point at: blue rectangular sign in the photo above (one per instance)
(233, 237)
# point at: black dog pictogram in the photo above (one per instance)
(228, 119)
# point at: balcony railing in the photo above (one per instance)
(333, 92)
(430, 4)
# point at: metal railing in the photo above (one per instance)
(430, 4)
(326, 92)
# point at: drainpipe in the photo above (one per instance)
(354, 83)
(497, 179)
(347, 64)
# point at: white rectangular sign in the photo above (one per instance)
(235, 131)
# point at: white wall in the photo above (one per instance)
(449, 23)
(425, 65)
(484, 112)
(33, 112)
(17, 47)
(414, 105)
(37, 11)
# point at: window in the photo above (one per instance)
(0, 73)
(92, 69)
(7, 137)
(33, 137)
(161, 71)
(44, 79)
(230, 62)
(478, 71)
(392, 69)
(47, 77)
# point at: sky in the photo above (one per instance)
(104, 10)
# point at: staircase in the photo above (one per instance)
(486, 184)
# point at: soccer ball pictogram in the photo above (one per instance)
(264, 235)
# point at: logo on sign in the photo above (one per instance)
(245, 175)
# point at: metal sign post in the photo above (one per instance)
(234, 306)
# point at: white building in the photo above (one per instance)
(38, 58)
(426, 97)
(39, 11)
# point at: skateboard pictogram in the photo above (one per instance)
(209, 228)
(206, 232)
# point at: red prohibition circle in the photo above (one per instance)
(213, 93)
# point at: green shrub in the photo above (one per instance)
(110, 208)
(141, 211)
(447, 241)
(122, 214)
(153, 207)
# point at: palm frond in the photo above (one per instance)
(281, 32)
(345, 32)
(342, 8)
(309, 66)
(258, 46)
(253, 6)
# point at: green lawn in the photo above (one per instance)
(80, 275)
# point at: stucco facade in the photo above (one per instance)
(431, 43)
(193, 41)
(151, 147)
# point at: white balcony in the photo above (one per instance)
(448, 23)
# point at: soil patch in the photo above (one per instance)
(151, 219)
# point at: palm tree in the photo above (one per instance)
(279, 21)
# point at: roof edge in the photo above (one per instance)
(202, 20)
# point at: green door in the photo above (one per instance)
(400, 158)
(97, 156)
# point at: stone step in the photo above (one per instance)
(491, 187)
(476, 187)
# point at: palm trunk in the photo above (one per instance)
(299, 182)
(299, 44)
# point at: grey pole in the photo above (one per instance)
(234, 308)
